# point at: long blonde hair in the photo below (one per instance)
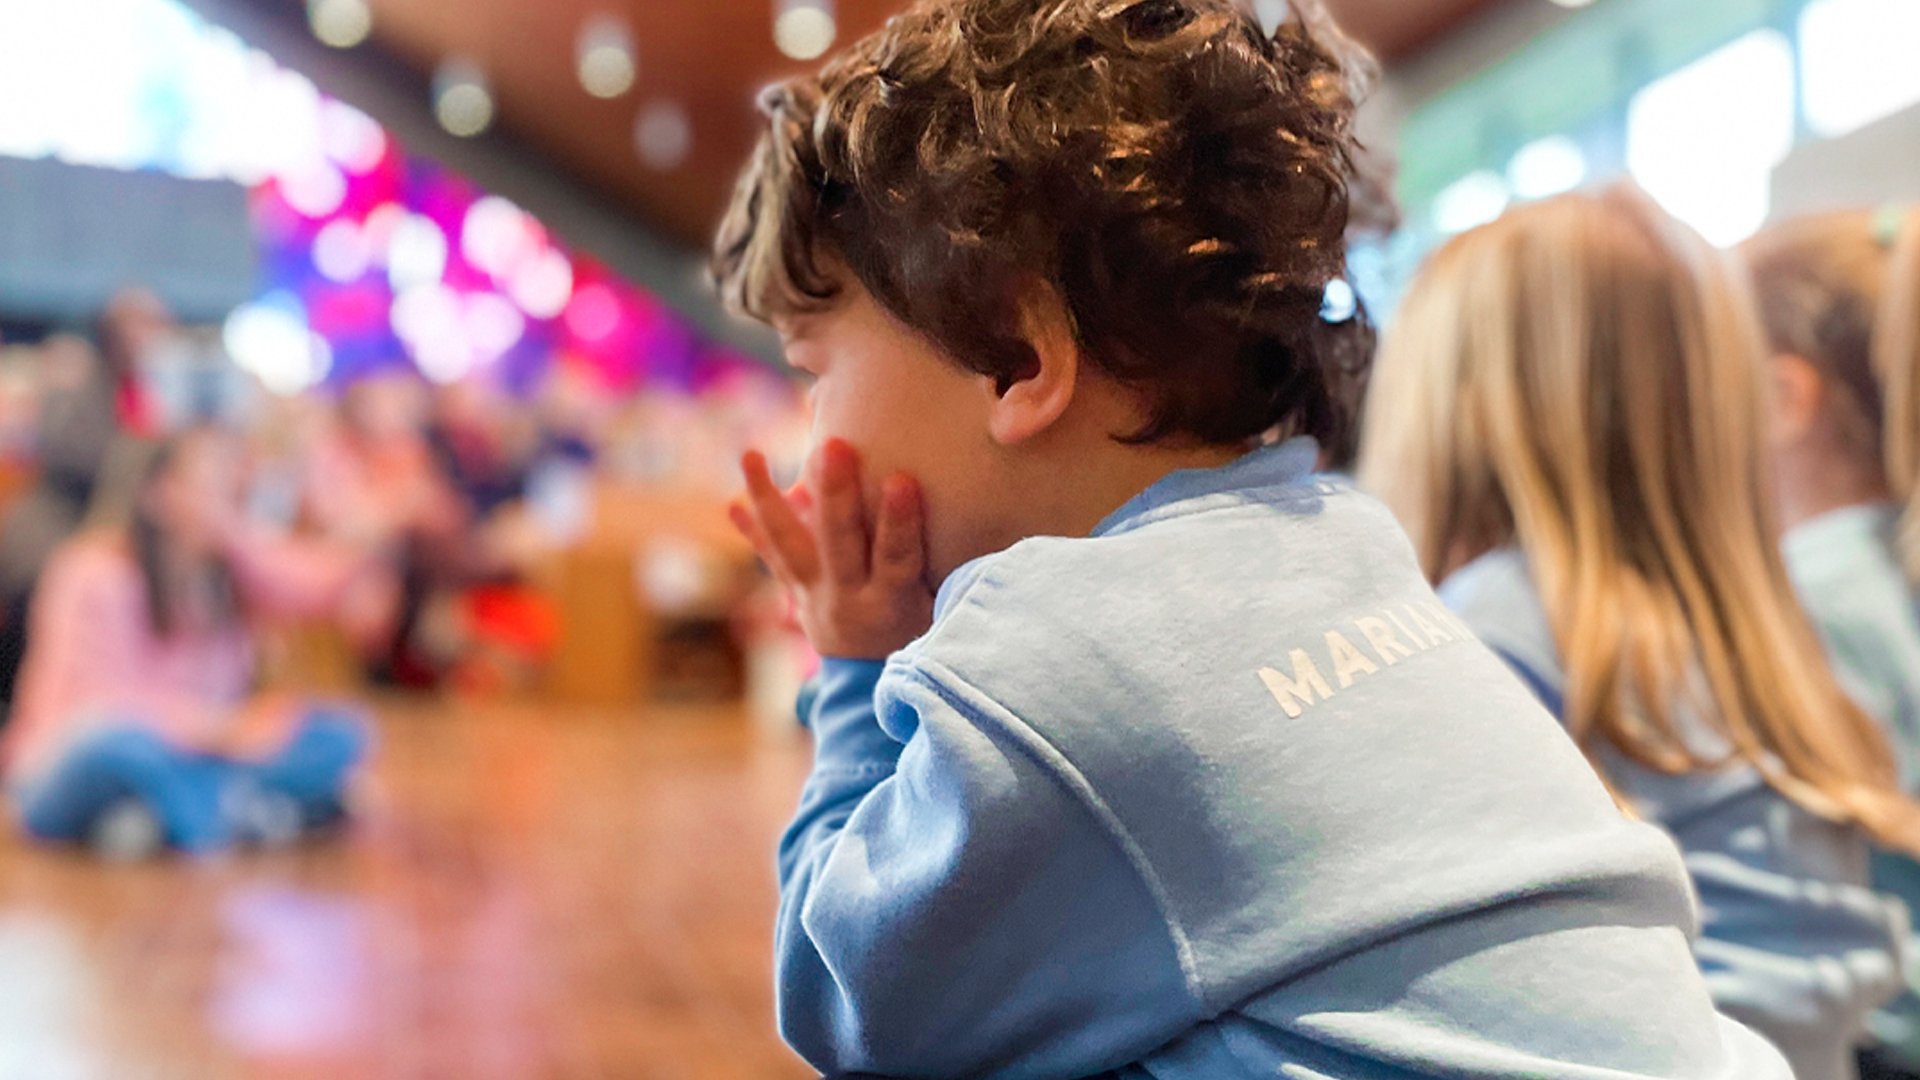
(1582, 378)
(1842, 291)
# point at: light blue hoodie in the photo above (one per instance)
(1793, 941)
(1849, 579)
(1844, 566)
(1219, 792)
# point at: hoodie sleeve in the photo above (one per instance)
(958, 905)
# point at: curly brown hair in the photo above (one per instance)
(1176, 175)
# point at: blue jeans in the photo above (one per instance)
(185, 789)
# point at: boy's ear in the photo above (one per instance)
(1032, 401)
(1799, 396)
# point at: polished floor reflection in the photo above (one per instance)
(529, 894)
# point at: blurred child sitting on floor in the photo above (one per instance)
(134, 724)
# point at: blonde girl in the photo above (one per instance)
(1567, 417)
(1839, 297)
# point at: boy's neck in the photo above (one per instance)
(1068, 479)
(1074, 501)
(1815, 484)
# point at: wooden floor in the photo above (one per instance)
(527, 895)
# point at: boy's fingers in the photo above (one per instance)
(899, 542)
(745, 520)
(749, 527)
(843, 525)
(790, 546)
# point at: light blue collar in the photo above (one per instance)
(1278, 465)
(1251, 478)
(1848, 529)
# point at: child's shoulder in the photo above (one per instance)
(1865, 591)
(1240, 539)
(1495, 594)
(1212, 576)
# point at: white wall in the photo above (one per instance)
(1879, 163)
(72, 236)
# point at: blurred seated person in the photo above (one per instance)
(374, 473)
(134, 724)
(86, 403)
(137, 333)
(492, 622)
(575, 407)
(91, 402)
(521, 495)
(369, 468)
(484, 445)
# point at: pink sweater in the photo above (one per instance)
(93, 655)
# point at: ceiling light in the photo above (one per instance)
(804, 29)
(340, 251)
(383, 222)
(351, 137)
(497, 237)
(316, 190)
(594, 313)
(663, 135)
(494, 324)
(430, 321)
(270, 338)
(461, 100)
(340, 23)
(417, 253)
(605, 57)
(543, 285)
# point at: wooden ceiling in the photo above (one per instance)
(709, 56)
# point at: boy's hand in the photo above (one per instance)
(860, 592)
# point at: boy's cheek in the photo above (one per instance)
(826, 420)
(828, 423)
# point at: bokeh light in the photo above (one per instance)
(663, 135)
(461, 101)
(605, 60)
(270, 338)
(804, 29)
(340, 23)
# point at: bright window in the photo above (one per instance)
(1547, 167)
(131, 84)
(1857, 60)
(1470, 201)
(1704, 140)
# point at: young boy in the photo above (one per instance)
(1182, 772)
